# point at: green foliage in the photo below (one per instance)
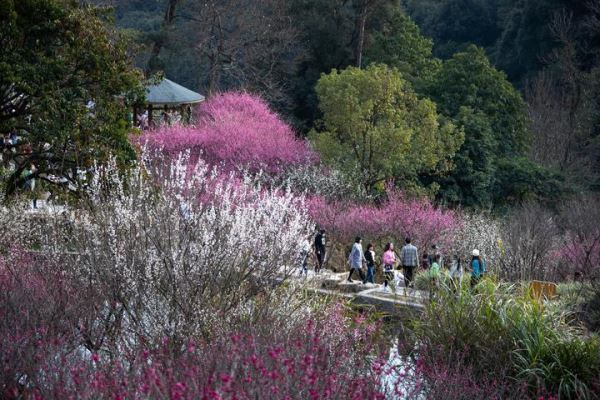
(500, 331)
(520, 179)
(584, 301)
(422, 281)
(554, 355)
(56, 57)
(591, 310)
(454, 24)
(466, 325)
(515, 34)
(400, 44)
(526, 36)
(468, 79)
(375, 126)
(327, 28)
(480, 100)
(492, 114)
(470, 182)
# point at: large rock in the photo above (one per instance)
(351, 287)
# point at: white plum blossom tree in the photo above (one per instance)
(481, 232)
(174, 249)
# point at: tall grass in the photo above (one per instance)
(584, 300)
(503, 334)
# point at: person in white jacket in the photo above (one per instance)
(356, 259)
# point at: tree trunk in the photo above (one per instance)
(361, 34)
(158, 42)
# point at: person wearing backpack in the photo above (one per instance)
(477, 268)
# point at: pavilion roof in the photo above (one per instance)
(167, 92)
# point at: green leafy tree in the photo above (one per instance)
(493, 115)
(334, 34)
(468, 79)
(399, 44)
(375, 127)
(453, 24)
(526, 38)
(326, 28)
(65, 80)
(470, 181)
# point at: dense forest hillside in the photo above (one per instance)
(526, 96)
(519, 36)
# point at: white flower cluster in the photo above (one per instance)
(177, 247)
(481, 232)
(316, 180)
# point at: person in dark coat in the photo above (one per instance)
(320, 250)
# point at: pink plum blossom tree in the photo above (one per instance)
(394, 219)
(237, 131)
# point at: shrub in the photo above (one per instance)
(41, 311)
(304, 360)
(422, 281)
(580, 252)
(529, 238)
(177, 272)
(591, 310)
(583, 301)
(316, 180)
(566, 366)
(457, 380)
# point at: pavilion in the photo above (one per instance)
(166, 98)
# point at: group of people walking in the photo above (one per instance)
(406, 260)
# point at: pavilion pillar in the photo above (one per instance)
(135, 115)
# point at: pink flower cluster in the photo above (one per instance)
(395, 219)
(455, 380)
(314, 360)
(238, 131)
(245, 365)
(38, 311)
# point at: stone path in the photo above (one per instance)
(391, 301)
